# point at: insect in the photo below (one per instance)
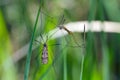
(44, 51)
(44, 55)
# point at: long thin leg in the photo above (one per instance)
(52, 35)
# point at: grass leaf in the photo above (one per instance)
(27, 66)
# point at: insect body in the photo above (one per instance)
(44, 50)
(45, 54)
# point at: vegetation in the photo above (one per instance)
(25, 26)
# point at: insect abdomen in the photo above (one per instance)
(45, 55)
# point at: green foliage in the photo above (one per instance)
(7, 69)
(99, 61)
(27, 67)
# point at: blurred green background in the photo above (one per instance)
(101, 56)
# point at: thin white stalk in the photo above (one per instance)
(94, 26)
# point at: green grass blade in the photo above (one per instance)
(82, 63)
(27, 66)
(92, 10)
(112, 9)
(7, 67)
(105, 61)
(65, 63)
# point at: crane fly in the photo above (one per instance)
(44, 56)
(44, 51)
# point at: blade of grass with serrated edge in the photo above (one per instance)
(27, 66)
